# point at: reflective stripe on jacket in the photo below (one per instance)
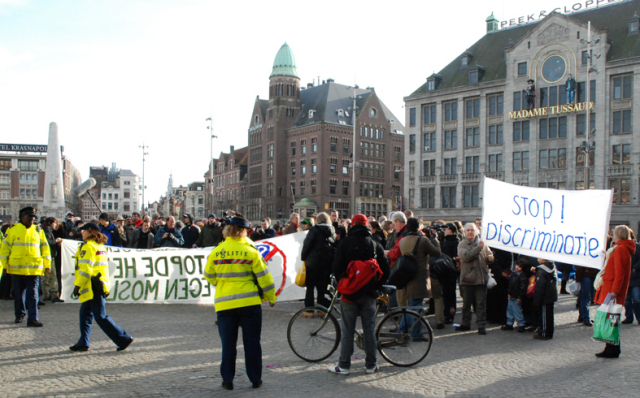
(91, 260)
(25, 251)
(231, 268)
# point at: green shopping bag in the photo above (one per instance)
(606, 327)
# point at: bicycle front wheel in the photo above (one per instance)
(404, 337)
(313, 339)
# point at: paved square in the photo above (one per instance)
(177, 353)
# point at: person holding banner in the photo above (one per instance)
(614, 278)
(243, 282)
(92, 285)
(474, 275)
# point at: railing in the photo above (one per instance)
(475, 177)
(496, 175)
(619, 170)
(449, 179)
(431, 180)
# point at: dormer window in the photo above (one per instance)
(433, 81)
(476, 74)
(311, 112)
(341, 112)
(256, 120)
(634, 24)
(465, 60)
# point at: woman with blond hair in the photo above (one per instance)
(613, 280)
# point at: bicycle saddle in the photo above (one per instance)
(388, 289)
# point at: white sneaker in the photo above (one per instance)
(339, 370)
(372, 370)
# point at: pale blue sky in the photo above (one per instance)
(115, 73)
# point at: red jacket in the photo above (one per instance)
(617, 272)
(395, 253)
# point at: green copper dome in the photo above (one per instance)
(491, 18)
(284, 64)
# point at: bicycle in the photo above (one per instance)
(315, 339)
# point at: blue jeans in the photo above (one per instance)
(632, 303)
(94, 308)
(25, 290)
(365, 307)
(514, 313)
(250, 319)
(416, 332)
(570, 96)
(585, 298)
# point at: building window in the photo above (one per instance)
(303, 167)
(412, 169)
(314, 166)
(429, 167)
(303, 147)
(345, 187)
(496, 163)
(429, 114)
(473, 137)
(521, 160)
(293, 148)
(346, 145)
(473, 76)
(345, 166)
(496, 136)
(622, 122)
(127, 194)
(621, 154)
(412, 143)
(521, 131)
(553, 127)
(470, 196)
(450, 111)
(517, 101)
(412, 117)
(303, 187)
(553, 158)
(496, 105)
(585, 57)
(5, 164)
(314, 145)
(27, 165)
(621, 190)
(396, 172)
(580, 158)
(397, 151)
(428, 198)
(334, 144)
(333, 166)
(313, 186)
(293, 167)
(269, 170)
(451, 139)
(472, 108)
(431, 84)
(429, 140)
(332, 186)
(581, 126)
(472, 164)
(450, 166)
(448, 197)
(622, 87)
(522, 68)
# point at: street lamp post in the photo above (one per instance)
(354, 109)
(144, 154)
(211, 165)
(587, 146)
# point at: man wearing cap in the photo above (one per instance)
(211, 234)
(110, 231)
(189, 232)
(50, 283)
(238, 271)
(25, 255)
(358, 245)
(69, 226)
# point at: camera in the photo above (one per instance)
(260, 230)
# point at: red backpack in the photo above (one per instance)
(362, 277)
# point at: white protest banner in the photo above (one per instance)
(565, 226)
(168, 275)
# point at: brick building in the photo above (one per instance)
(301, 142)
(230, 180)
(471, 118)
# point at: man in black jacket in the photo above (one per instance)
(358, 245)
(544, 299)
(264, 232)
(449, 246)
(190, 232)
(318, 254)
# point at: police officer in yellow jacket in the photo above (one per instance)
(92, 285)
(243, 282)
(25, 255)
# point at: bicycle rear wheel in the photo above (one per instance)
(313, 339)
(404, 343)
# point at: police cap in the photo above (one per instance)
(89, 226)
(29, 210)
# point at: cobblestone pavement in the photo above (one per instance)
(177, 353)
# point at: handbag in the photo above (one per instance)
(574, 288)
(301, 275)
(405, 269)
(491, 282)
(606, 327)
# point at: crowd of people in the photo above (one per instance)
(515, 291)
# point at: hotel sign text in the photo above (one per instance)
(550, 110)
(23, 148)
(566, 10)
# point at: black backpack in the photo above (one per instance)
(442, 268)
(405, 269)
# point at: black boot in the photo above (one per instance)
(610, 351)
(563, 288)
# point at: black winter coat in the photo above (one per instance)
(211, 235)
(449, 246)
(518, 285)
(546, 284)
(358, 245)
(268, 234)
(379, 237)
(319, 247)
(190, 234)
(634, 281)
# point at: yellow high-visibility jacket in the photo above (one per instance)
(25, 251)
(91, 260)
(231, 267)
